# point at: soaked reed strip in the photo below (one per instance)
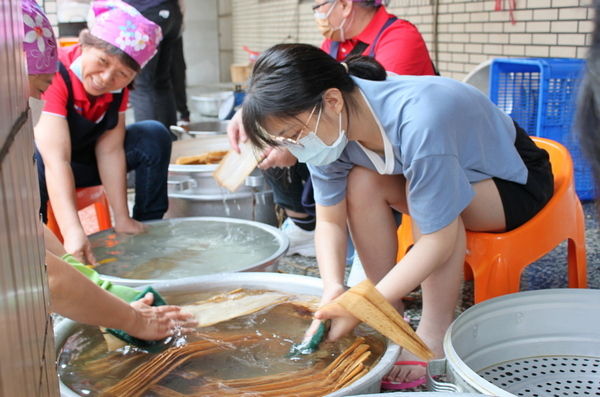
(315, 381)
(154, 370)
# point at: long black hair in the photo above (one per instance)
(289, 79)
(588, 113)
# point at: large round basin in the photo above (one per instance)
(187, 247)
(295, 284)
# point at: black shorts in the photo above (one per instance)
(522, 202)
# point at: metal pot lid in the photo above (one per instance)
(186, 247)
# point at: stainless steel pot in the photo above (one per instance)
(193, 191)
(369, 383)
(535, 343)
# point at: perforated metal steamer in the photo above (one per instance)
(535, 344)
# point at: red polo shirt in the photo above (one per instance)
(92, 108)
(400, 48)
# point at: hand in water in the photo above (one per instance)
(336, 313)
(78, 245)
(342, 322)
(157, 322)
(311, 344)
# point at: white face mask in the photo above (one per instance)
(36, 106)
(324, 26)
(312, 150)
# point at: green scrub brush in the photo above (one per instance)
(152, 346)
(129, 295)
(310, 345)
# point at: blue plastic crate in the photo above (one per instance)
(541, 95)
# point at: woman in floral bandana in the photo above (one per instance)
(72, 294)
(40, 48)
(81, 137)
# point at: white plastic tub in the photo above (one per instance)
(533, 343)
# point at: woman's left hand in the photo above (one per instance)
(129, 226)
(157, 322)
(342, 322)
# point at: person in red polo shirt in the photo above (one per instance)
(366, 28)
(81, 137)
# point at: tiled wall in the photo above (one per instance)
(469, 31)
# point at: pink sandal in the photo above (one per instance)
(388, 385)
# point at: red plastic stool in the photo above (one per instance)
(85, 196)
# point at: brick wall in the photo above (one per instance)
(469, 31)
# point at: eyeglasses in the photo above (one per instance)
(294, 141)
(321, 4)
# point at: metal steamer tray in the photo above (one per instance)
(533, 344)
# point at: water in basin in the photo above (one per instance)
(172, 249)
(88, 369)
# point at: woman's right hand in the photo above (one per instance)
(329, 294)
(236, 132)
(342, 321)
(77, 244)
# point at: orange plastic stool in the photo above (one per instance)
(67, 41)
(497, 260)
(85, 197)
